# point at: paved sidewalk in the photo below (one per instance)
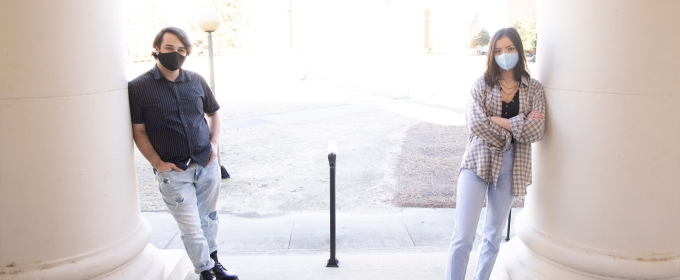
(407, 243)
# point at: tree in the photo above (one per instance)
(233, 30)
(144, 18)
(527, 32)
(480, 37)
(474, 25)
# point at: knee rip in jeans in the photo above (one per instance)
(179, 200)
(212, 218)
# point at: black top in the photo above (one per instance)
(173, 114)
(511, 109)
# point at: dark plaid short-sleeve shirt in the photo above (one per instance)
(484, 152)
(173, 114)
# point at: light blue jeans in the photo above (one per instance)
(191, 197)
(469, 200)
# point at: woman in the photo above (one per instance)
(505, 115)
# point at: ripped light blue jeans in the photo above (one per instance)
(191, 197)
(469, 200)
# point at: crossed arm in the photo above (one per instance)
(505, 123)
(497, 131)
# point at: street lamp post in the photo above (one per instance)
(209, 20)
(332, 148)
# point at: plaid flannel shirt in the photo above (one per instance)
(484, 152)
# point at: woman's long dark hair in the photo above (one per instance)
(493, 72)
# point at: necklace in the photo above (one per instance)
(511, 92)
(512, 89)
(514, 85)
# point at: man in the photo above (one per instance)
(167, 106)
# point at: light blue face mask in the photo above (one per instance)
(507, 61)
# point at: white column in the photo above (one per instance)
(605, 202)
(68, 196)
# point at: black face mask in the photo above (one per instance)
(171, 61)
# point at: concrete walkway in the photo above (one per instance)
(407, 243)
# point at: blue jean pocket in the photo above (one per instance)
(164, 179)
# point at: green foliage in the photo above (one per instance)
(474, 25)
(144, 18)
(527, 31)
(232, 31)
(480, 37)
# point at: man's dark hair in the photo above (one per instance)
(493, 71)
(183, 37)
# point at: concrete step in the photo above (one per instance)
(177, 264)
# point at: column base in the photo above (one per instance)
(110, 263)
(155, 264)
(149, 264)
(516, 261)
(178, 266)
(550, 259)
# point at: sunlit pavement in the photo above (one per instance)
(404, 244)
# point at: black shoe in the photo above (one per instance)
(225, 174)
(219, 270)
(207, 275)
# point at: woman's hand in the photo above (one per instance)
(536, 115)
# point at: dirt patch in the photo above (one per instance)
(283, 165)
(428, 167)
(385, 160)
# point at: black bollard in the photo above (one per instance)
(332, 262)
(507, 238)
